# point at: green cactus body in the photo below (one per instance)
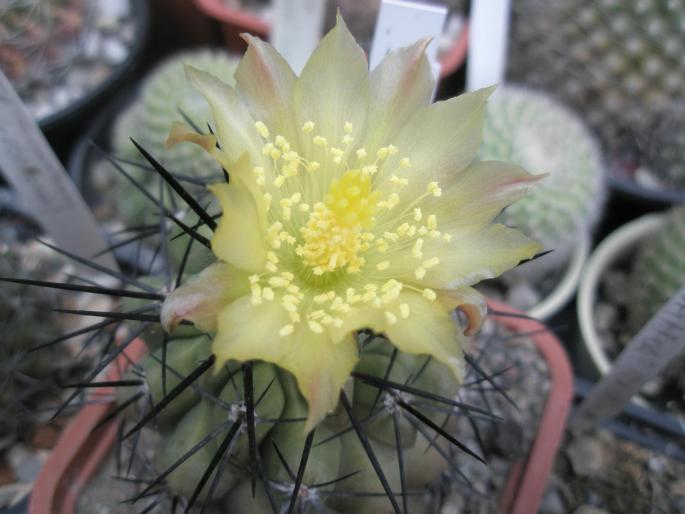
(659, 269)
(164, 95)
(657, 274)
(619, 64)
(336, 451)
(534, 131)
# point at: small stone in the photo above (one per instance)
(91, 45)
(523, 295)
(552, 502)
(589, 509)
(586, 455)
(25, 462)
(114, 51)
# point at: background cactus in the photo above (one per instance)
(536, 132)
(619, 64)
(163, 97)
(657, 274)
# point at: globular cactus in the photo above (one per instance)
(619, 64)
(657, 274)
(534, 131)
(166, 97)
(217, 404)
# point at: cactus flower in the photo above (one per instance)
(353, 203)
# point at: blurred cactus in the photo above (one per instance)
(619, 64)
(657, 274)
(534, 131)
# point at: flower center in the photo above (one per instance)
(333, 236)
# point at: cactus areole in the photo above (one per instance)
(353, 203)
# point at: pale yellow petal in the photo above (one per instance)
(399, 86)
(478, 194)
(333, 87)
(239, 236)
(428, 330)
(247, 332)
(202, 297)
(265, 83)
(476, 254)
(442, 138)
(235, 127)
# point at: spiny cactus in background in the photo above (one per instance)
(534, 131)
(26, 320)
(617, 63)
(166, 97)
(657, 274)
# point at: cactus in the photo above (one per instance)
(25, 322)
(617, 63)
(657, 274)
(334, 362)
(219, 400)
(165, 97)
(536, 132)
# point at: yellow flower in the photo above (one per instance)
(352, 203)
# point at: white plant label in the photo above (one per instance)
(44, 188)
(488, 43)
(402, 23)
(660, 341)
(297, 29)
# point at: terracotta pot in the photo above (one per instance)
(235, 21)
(79, 451)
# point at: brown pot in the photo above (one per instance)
(79, 451)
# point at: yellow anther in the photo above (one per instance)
(267, 148)
(368, 236)
(392, 149)
(382, 153)
(391, 236)
(279, 181)
(403, 229)
(391, 284)
(417, 249)
(347, 139)
(268, 199)
(261, 128)
(361, 153)
(258, 170)
(320, 141)
(291, 156)
(275, 154)
(308, 127)
(381, 245)
(288, 276)
(286, 330)
(420, 272)
(404, 310)
(254, 279)
(430, 263)
(278, 282)
(348, 127)
(390, 318)
(434, 189)
(294, 316)
(272, 257)
(383, 265)
(432, 222)
(270, 266)
(429, 294)
(315, 326)
(261, 180)
(369, 169)
(447, 237)
(321, 298)
(405, 162)
(304, 207)
(399, 181)
(280, 141)
(313, 166)
(268, 294)
(417, 214)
